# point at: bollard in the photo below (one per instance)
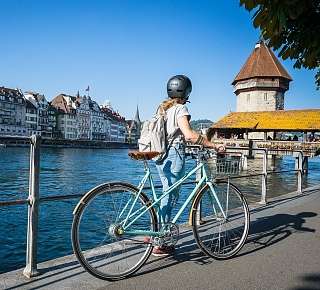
(33, 208)
(264, 178)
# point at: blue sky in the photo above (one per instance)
(126, 51)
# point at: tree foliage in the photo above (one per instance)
(293, 26)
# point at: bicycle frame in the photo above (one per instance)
(148, 177)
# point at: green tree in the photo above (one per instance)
(293, 26)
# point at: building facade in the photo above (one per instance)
(98, 126)
(114, 125)
(83, 118)
(12, 112)
(31, 119)
(52, 119)
(66, 115)
(79, 117)
(44, 127)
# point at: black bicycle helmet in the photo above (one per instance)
(179, 86)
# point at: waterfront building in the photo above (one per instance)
(52, 120)
(107, 117)
(134, 128)
(83, 117)
(98, 131)
(40, 105)
(12, 112)
(31, 118)
(262, 81)
(66, 115)
(115, 125)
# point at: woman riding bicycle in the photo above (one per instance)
(171, 167)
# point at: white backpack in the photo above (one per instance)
(153, 135)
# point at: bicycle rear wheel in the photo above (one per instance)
(221, 230)
(98, 243)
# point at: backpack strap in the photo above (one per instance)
(173, 136)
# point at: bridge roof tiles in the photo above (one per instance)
(287, 120)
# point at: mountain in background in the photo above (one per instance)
(199, 125)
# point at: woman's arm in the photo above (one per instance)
(192, 136)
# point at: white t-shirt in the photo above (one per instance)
(173, 130)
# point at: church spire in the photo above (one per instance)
(137, 117)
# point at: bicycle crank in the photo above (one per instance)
(169, 235)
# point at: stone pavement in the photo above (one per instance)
(282, 252)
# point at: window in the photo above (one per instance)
(248, 98)
(265, 97)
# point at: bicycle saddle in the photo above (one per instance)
(138, 155)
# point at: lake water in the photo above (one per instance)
(74, 171)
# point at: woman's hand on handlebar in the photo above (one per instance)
(220, 148)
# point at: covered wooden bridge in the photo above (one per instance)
(263, 129)
(244, 123)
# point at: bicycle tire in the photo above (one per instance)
(217, 236)
(109, 258)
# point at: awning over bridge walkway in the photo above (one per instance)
(282, 121)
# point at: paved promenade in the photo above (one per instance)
(282, 252)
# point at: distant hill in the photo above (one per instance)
(200, 124)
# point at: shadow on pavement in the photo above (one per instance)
(264, 232)
(310, 282)
(270, 230)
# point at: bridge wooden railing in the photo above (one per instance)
(309, 149)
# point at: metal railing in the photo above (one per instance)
(264, 174)
(34, 199)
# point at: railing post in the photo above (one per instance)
(264, 178)
(300, 172)
(33, 210)
(244, 162)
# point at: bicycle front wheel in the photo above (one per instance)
(220, 219)
(98, 239)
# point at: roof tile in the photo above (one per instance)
(262, 63)
(291, 120)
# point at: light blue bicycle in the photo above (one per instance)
(115, 225)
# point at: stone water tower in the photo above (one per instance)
(262, 81)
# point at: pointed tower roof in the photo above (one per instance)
(137, 117)
(262, 63)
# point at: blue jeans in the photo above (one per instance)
(170, 170)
